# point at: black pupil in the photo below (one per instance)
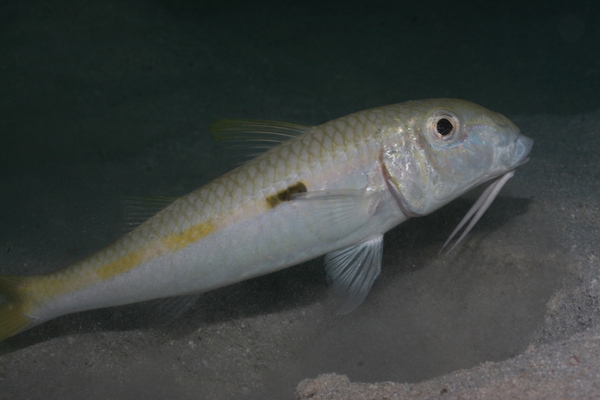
(444, 127)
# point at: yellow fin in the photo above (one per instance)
(12, 317)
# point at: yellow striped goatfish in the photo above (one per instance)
(331, 189)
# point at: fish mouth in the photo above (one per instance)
(523, 146)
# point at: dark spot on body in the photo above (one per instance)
(285, 194)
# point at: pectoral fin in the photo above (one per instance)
(333, 214)
(352, 271)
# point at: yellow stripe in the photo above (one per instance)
(75, 278)
(123, 264)
(172, 242)
(176, 241)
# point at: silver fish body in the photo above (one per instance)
(331, 189)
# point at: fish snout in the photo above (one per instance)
(523, 146)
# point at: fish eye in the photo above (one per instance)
(444, 125)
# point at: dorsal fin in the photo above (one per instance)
(256, 130)
(139, 209)
(248, 138)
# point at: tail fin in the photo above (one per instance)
(12, 309)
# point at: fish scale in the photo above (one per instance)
(332, 189)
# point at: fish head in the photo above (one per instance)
(441, 148)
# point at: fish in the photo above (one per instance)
(333, 189)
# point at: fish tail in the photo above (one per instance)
(13, 318)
